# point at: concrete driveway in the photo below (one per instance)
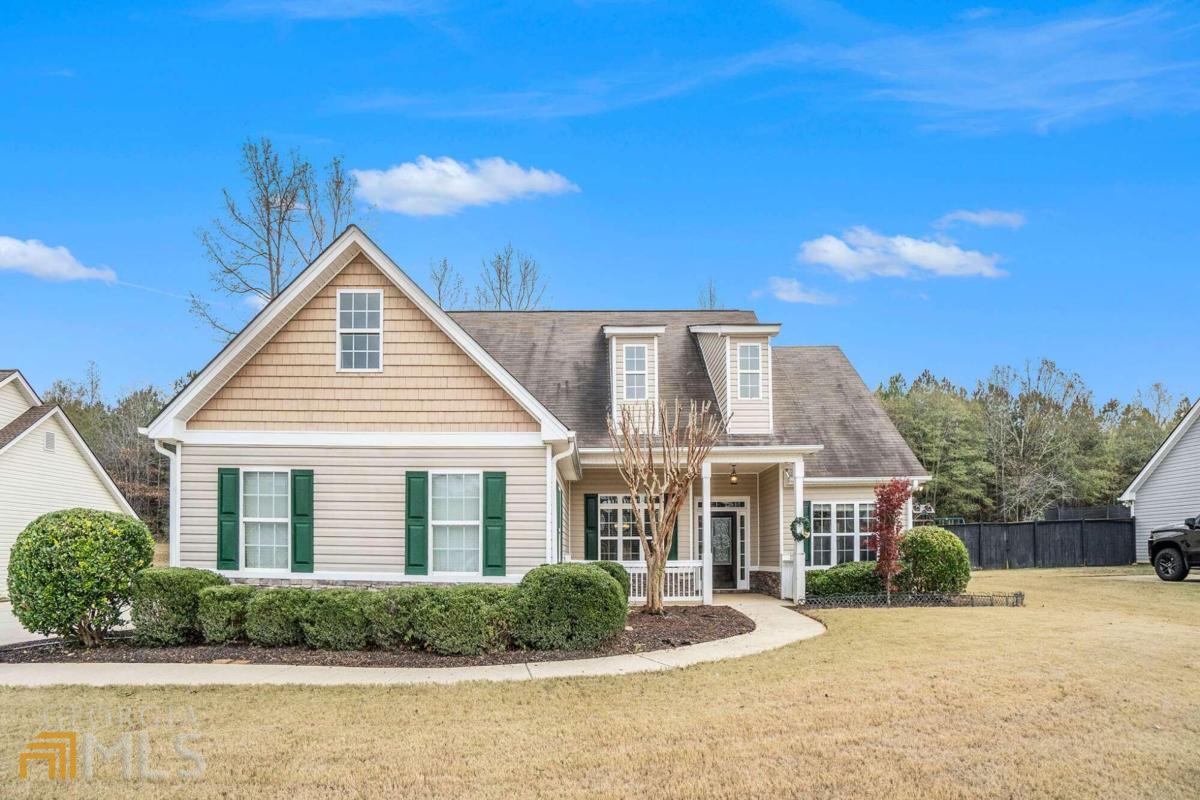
(11, 631)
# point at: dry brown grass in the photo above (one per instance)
(1093, 690)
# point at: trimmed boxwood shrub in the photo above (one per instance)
(464, 620)
(935, 561)
(853, 577)
(336, 619)
(390, 615)
(70, 573)
(222, 613)
(273, 616)
(568, 607)
(619, 573)
(166, 602)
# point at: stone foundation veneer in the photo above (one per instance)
(764, 583)
(306, 583)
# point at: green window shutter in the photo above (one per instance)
(494, 516)
(302, 520)
(808, 541)
(674, 554)
(591, 527)
(228, 506)
(416, 523)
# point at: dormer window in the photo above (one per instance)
(635, 372)
(360, 330)
(749, 372)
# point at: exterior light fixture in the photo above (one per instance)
(733, 478)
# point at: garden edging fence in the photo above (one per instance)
(1058, 543)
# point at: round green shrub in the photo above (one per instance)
(273, 617)
(618, 572)
(222, 613)
(166, 601)
(853, 577)
(71, 572)
(336, 619)
(464, 620)
(568, 607)
(390, 615)
(935, 561)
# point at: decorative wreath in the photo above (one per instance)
(801, 529)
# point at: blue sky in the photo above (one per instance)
(941, 185)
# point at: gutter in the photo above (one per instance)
(552, 544)
(174, 457)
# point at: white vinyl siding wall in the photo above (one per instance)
(358, 504)
(35, 482)
(750, 416)
(1172, 492)
(13, 402)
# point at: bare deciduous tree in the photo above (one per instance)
(511, 281)
(708, 296)
(288, 216)
(448, 288)
(659, 467)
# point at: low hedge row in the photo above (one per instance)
(932, 561)
(556, 606)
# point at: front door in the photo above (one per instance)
(724, 550)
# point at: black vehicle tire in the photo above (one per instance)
(1170, 564)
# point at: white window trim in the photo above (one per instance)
(620, 505)
(478, 523)
(833, 532)
(748, 346)
(243, 519)
(339, 330)
(644, 372)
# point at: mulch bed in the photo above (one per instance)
(681, 625)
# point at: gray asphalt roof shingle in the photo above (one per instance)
(562, 358)
(24, 422)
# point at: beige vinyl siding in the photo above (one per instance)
(713, 349)
(13, 402)
(358, 508)
(750, 416)
(769, 540)
(428, 383)
(1172, 492)
(565, 488)
(825, 493)
(608, 481)
(34, 481)
(651, 372)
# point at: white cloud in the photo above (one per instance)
(441, 186)
(790, 290)
(40, 260)
(861, 253)
(984, 218)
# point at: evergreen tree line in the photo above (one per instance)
(1025, 439)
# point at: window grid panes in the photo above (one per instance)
(842, 532)
(456, 514)
(618, 535)
(360, 330)
(749, 371)
(266, 519)
(635, 372)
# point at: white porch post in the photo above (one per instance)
(798, 588)
(706, 526)
(908, 510)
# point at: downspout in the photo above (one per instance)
(553, 552)
(174, 457)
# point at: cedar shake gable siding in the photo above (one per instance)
(427, 383)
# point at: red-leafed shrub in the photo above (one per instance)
(890, 500)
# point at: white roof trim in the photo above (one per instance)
(82, 447)
(30, 394)
(633, 330)
(167, 426)
(1162, 452)
(737, 330)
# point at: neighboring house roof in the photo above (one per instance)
(14, 431)
(7, 375)
(562, 357)
(1162, 452)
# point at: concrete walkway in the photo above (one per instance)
(776, 625)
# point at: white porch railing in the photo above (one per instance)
(684, 581)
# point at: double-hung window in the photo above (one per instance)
(749, 372)
(866, 531)
(618, 535)
(265, 519)
(456, 514)
(842, 532)
(635, 372)
(822, 534)
(360, 330)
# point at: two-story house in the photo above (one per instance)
(356, 431)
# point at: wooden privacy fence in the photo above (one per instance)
(1059, 543)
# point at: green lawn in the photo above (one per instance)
(1092, 690)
